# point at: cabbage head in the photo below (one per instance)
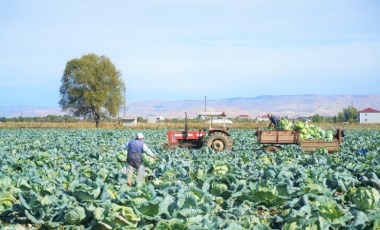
(285, 124)
(220, 168)
(148, 161)
(87, 192)
(5, 182)
(329, 135)
(299, 125)
(365, 198)
(218, 188)
(6, 201)
(75, 216)
(119, 217)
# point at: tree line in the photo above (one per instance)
(349, 114)
(48, 118)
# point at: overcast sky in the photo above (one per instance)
(188, 49)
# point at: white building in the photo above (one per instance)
(152, 119)
(129, 121)
(262, 118)
(369, 115)
(243, 117)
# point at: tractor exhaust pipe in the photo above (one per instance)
(186, 127)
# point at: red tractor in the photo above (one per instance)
(216, 138)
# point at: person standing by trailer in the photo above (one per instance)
(136, 147)
(275, 120)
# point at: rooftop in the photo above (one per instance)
(369, 110)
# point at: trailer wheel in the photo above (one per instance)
(166, 146)
(271, 149)
(219, 141)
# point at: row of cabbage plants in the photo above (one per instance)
(74, 179)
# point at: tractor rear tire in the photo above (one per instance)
(219, 141)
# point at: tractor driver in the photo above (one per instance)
(275, 120)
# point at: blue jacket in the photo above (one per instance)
(275, 120)
(135, 146)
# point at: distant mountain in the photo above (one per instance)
(283, 105)
(29, 111)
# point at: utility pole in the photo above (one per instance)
(205, 103)
(125, 99)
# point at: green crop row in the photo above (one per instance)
(74, 179)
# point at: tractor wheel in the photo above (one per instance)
(219, 141)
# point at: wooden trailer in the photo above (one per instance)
(273, 139)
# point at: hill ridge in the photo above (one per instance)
(283, 105)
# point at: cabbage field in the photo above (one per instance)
(74, 179)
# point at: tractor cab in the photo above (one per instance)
(216, 121)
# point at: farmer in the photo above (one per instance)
(136, 147)
(275, 120)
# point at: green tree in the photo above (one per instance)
(350, 114)
(317, 118)
(91, 88)
(340, 117)
(141, 120)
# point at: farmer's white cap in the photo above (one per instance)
(140, 136)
